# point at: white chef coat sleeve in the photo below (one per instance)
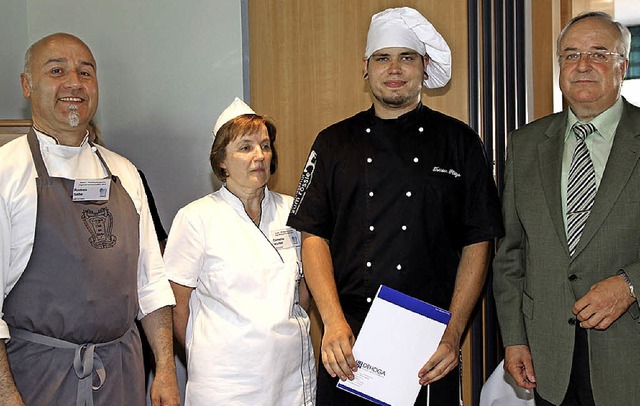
(18, 199)
(5, 252)
(185, 251)
(154, 290)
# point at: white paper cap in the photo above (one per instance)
(235, 109)
(406, 28)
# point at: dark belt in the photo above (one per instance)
(85, 362)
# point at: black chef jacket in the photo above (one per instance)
(397, 200)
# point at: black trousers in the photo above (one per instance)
(579, 392)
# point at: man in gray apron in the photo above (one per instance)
(78, 261)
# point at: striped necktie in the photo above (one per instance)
(581, 187)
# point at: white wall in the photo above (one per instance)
(631, 91)
(166, 69)
(13, 31)
(628, 12)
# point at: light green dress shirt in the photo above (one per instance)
(598, 143)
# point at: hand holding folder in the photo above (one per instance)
(398, 335)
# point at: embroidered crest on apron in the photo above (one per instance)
(100, 225)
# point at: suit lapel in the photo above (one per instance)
(620, 164)
(550, 160)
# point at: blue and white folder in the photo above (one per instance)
(399, 335)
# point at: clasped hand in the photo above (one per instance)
(605, 302)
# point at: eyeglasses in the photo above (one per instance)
(572, 57)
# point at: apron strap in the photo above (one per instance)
(34, 146)
(85, 362)
(104, 164)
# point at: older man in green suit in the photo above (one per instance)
(565, 271)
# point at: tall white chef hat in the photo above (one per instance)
(405, 27)
(235, 109)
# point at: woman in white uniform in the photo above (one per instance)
(236, 273)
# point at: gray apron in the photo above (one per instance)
(71, 314)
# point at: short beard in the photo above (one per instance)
(74, 117)
(394, 100)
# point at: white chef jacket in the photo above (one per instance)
(247, 338)
(18, 207)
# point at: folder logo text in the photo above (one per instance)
(371, 368)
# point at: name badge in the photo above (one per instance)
(91, 189)
(285, 238)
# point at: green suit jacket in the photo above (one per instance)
(536, 282)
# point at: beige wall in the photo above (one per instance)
(545, 21)
(578, 6)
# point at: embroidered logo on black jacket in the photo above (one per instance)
(305, 180)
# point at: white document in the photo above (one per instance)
(399, 335)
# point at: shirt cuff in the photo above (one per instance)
(4, 331)
(153, 296)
